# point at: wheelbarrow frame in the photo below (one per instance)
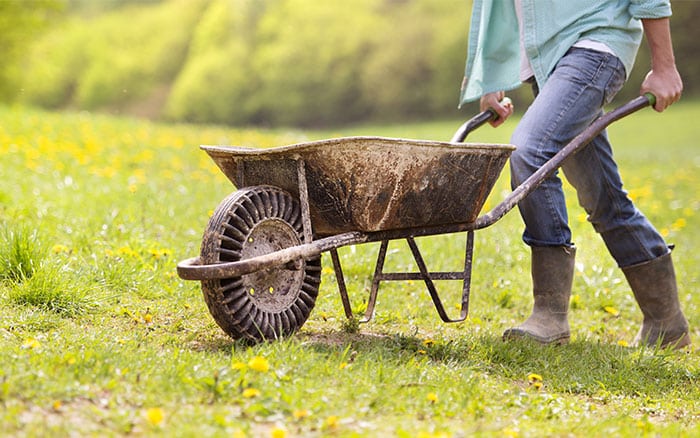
(191, 269)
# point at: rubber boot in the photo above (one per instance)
(552, 276)
(654, 286)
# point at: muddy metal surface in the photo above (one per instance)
(372, 184)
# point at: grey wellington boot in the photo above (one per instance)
(552, 277)
(654, 286)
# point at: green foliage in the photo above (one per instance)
(57, 289)
(20, 253)
(265, 62)
(100, 65)
(282, 62)
(21, 22)
(417, 61)
(213, 85)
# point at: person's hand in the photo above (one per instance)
(493, 101)
(666, 85)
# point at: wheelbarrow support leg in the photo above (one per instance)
(422, 274)
(376, 279)
(340, 279)
(465, 277)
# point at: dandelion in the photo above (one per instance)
(428, 342)
(238, 366)
(342, 365)
(155, 416)
(576, 301)
(60, 249)
(432, 397)
(31, 344)
(535, 381)
(259, 364)
(532, 377)
(622, 343)
(611, 310)
(148, 318)
(510, 433)
(251, 393)
(56, 405)
(679, 224)
(132, 188)
(159, 253)
(300, 414)
(278, 432)
(332, 422)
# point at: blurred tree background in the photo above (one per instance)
(262, 62)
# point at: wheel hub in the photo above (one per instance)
(275, 289)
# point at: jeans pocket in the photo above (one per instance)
(617, 78)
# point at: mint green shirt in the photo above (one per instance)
(550, 28)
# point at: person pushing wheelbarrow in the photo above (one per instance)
(576, 55)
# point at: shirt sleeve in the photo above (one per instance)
(641, 9)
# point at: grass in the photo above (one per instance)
(104, 339)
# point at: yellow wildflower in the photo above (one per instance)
(259, 363)
(332, 421)
(58, 249)
(155, 416)
(532, 378)
(611, 310)
(432, 397)
(31, 344)
(278, 432)
(535, 381)
(622, 343)
(251, 392)
(510, 433)
(680, 223)
(238, 365)
(300, 414)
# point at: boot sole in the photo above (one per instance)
(678, 344)
(521, 334)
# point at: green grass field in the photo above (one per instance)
(99, 337)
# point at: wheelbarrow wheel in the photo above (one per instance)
(270, 303)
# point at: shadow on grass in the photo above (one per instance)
(582, 367)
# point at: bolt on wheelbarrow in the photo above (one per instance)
(260, 258)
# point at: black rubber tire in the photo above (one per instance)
(267, 304)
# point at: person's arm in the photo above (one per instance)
(663, 81)
(493, 101)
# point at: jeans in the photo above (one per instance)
(582, 82)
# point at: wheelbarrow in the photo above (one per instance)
(260, 259)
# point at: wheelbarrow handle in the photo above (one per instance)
(580, 141)
(475, 122)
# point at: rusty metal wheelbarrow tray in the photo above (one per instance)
(370, 184)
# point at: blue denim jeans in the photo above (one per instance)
(582, 83)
